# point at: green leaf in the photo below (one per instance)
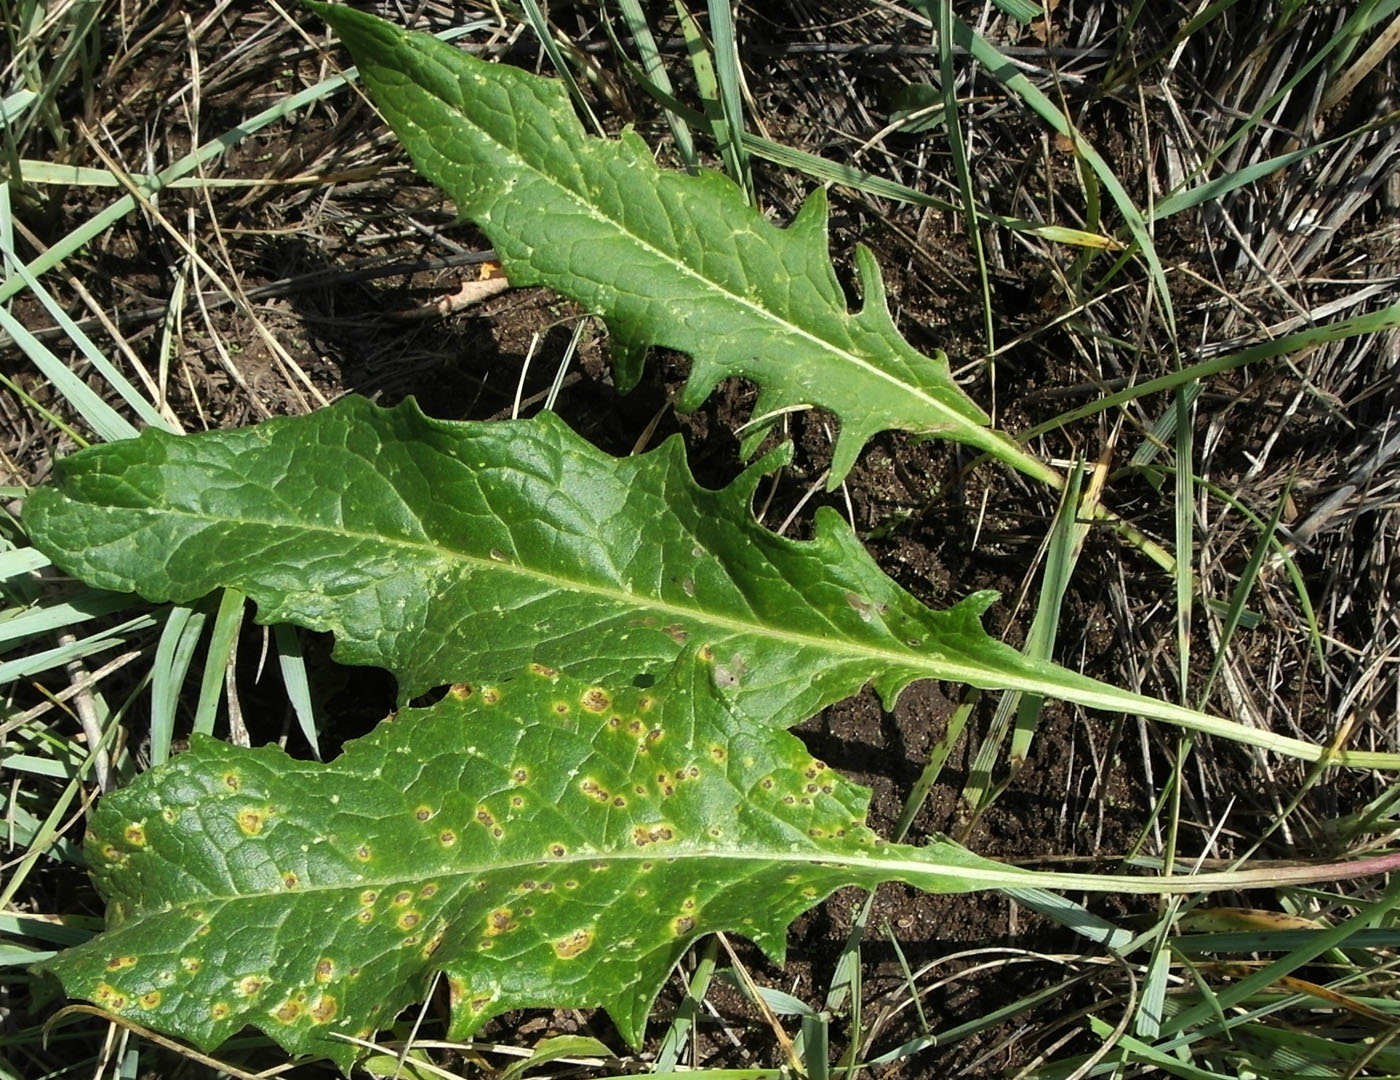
(434, 547)
(540, 840)
(666, 258)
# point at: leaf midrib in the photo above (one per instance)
(764, 313)
(621, 597)
(886, 867)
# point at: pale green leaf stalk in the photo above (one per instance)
(665, 258)
(432, 547)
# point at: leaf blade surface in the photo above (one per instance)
(433, 547)
(541, 841)
(666, 258)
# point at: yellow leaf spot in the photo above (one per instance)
(135, 834)
(490, 695)
(363, 853)
(168, 815)
(323, 1008)
(218, 1011)
(250, 822)
(149, 1000)
(116, 963)
(191, 964)
(232, 781)
(290, 880)
(566, 948)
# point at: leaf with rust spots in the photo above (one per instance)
(521, 885)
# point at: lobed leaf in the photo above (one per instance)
(539, 840)
(666, 258)
(434, 547)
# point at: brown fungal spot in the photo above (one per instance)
(447, 838)
(546, 886)
(688, 904)
(109, 997)
(117, 963)
(490, 695)
(369, 896)
(401, 897)
(498, 832)
(500, 921)
(499, 556)
(595, 699)
(619, 801)
(251, 822)
(558, 850)
(569, 946)
(676, 632)
(461, 691)
(634, 727)
(363, 853)
(595, 866)
(169, 815)
(682, 924)
(218, 1011)
(707, 653)
(543, 669)
(520, 776)
(433, 944)
(562, 708)
(570, 883)
(191, 964)
(149, 1000)
(250, 985)
(232, 781)
(517, 801)
(322, 1009)
(409, 919)
(428, 891)
(717, 752)
(290, 880)
(287, 1012)
(483, 815)
(365, 915)
(325, 969)
(657, 833)
(424, 813)
(135, 834)
(766, 783)
(614, 722)
(594, 790)
(654, 735)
